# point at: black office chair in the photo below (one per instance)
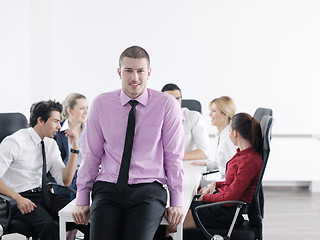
(192, 104)
(10, 123)
(251, 229)
(260, 112)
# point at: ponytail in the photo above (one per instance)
(256, 137)
(249, 128)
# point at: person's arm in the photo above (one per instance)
(207, 190)
(24, 204)
(92, 151)
(173, 142)
(10, 149)
(194, 154)
(243, 177)
(200, 137)
(71, 167)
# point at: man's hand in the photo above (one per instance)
(81, 215)
(174, 215)
(25, 205)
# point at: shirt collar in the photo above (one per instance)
(245, 151)
(65, 125)
(142, 99)
(224, 132)
(34, 136)
(184, 112)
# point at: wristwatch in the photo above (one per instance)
(74, 151)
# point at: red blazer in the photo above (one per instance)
(242, 175)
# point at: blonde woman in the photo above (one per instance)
(73, 116)
(222, 109)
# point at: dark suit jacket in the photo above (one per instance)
(62, 142)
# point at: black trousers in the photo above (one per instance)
(216, 216)
(134, 213)
(45, 220)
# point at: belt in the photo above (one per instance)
(34, 190)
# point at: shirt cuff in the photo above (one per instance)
(176, 200)
(207, 198)
(83, 199)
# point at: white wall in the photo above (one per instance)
(261, 53)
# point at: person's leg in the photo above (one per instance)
(106, 212)
(71, 234)
(39, 218)
(212, 217)
(189, 221)
(57, 203)
(146, 204)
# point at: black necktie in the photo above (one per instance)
(45, 192)
(122, 182)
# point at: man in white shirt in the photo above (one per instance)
(196, 138)
(21, 166)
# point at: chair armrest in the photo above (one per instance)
(239, 205)
(210, 172)
(50, 184)
(7, 206)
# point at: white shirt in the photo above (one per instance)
(224, 152)
(21, 160)
(195, 132)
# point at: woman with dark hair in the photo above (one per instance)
(242, 175)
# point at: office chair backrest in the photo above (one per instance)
(255, 209)
(260, 112)
(192, 104)
(10, 123)
(268, 122)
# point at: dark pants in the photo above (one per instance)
(45, 220)
(216, 216)
(134, 213)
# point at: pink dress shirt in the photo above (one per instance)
(158, 146)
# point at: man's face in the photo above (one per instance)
(134, 74)
(176, 94)
(51, 126)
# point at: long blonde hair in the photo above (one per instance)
(70, 102)
(226, 105)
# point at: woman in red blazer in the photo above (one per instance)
(242, 175)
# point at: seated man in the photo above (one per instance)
(25, 158)
(196, 138)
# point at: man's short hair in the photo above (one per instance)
(170, 87)
(134, 52)
(43, 109)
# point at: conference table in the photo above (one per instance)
(192, 177)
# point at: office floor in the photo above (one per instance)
(290, 213)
